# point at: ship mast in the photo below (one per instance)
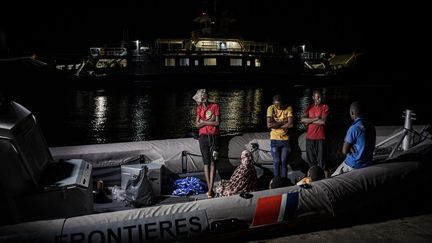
(214, 25)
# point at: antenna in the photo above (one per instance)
(214, 6)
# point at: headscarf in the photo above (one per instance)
(242, 180)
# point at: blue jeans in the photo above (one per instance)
(280, 150)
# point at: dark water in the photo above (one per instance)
(136, 112)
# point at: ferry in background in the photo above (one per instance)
(212, 51)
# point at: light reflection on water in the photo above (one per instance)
(100, 114)
(138, 113)
(240, 109)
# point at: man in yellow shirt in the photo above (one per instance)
(279, 120)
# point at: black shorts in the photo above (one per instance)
(316, 152)
(208, 144)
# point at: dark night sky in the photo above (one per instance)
(385, 30)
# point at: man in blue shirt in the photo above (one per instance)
(359, 143)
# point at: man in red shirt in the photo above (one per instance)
(314, 118)
(207, 121)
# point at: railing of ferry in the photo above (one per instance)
(313, 55)
(217, 53)
(264, 47)
(116, 51)
(111, 51)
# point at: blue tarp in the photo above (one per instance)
(188, 186)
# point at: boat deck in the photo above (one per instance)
(110, 205)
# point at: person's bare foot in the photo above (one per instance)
(210, 194)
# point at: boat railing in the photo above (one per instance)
(406, 138)
(217, 49)
(116, 51)
(213, 52)
(253, 46)
(313, 55)
(170, 44)
(110, 51)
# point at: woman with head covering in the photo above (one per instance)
(242, 180)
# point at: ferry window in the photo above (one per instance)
(233, 45)
(208, 45)
(196, 63)
(164, 46)
(184, 62)
(236, 62)
(169, 62)
(176, 46)
(248, 63)
(270, 49)
(209, 61)
(257, 63)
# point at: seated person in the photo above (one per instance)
(277, 182)
(359, 143)
(315, 173)
(242, 180)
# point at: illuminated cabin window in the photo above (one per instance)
(196, 63)
(209, 61)
(248, 63)
(184, 61)
(212, 45)
(236, 62)
(208, 45)
(257, 63)
(233, 45)
(169, 62)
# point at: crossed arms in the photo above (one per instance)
(271, 123)
(213, 121)
(316, 120)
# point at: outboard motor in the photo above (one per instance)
(32, 185)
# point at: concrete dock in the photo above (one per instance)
(407, 229)
(407, 221)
